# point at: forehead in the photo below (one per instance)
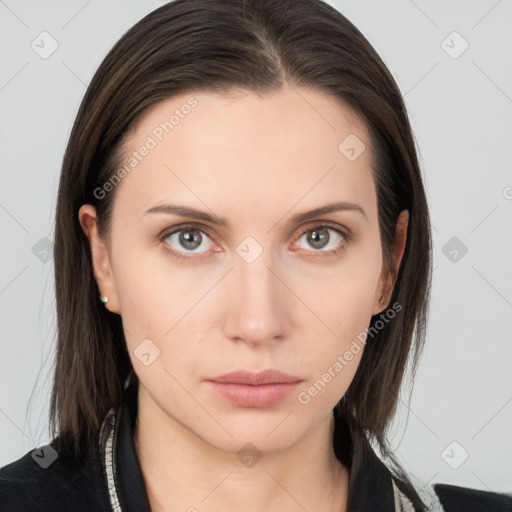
(247, 150)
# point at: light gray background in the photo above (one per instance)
(461, 112)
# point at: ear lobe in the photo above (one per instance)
(99, 255)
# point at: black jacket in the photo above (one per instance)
(110, 479)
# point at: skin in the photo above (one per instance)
(255, 161)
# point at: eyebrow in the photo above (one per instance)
(184, 211)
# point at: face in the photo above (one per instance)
(260, 289)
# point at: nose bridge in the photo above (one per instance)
(256, 278)
(257, 312)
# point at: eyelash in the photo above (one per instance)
(347, 238)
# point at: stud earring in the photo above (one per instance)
(105, 300)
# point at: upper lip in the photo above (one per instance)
(263, 377)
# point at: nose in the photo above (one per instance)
(258, 304)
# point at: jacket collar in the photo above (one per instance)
(371, 486)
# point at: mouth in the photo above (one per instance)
(255, 390)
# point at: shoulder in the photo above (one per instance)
(46, 480)
(457, 499)
(450, 498)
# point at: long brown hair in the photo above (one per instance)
(257, 45)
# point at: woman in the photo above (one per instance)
(242, 263)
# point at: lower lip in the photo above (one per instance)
(245, 395)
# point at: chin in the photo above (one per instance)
(267, 431)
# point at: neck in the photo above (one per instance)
(183, 472)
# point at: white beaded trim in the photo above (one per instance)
(402, 502)
(108, 457)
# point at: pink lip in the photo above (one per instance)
(262, 389)
(264, 377)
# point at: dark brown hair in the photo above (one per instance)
(215, 46)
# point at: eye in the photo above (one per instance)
(186, 239)
(319, 238)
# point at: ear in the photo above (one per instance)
(388, 276)
(100, 257)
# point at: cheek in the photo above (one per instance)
(165, 304)
(333, 362)
(345, 306)
(343, 295)
(153, 292)
(139, 287)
